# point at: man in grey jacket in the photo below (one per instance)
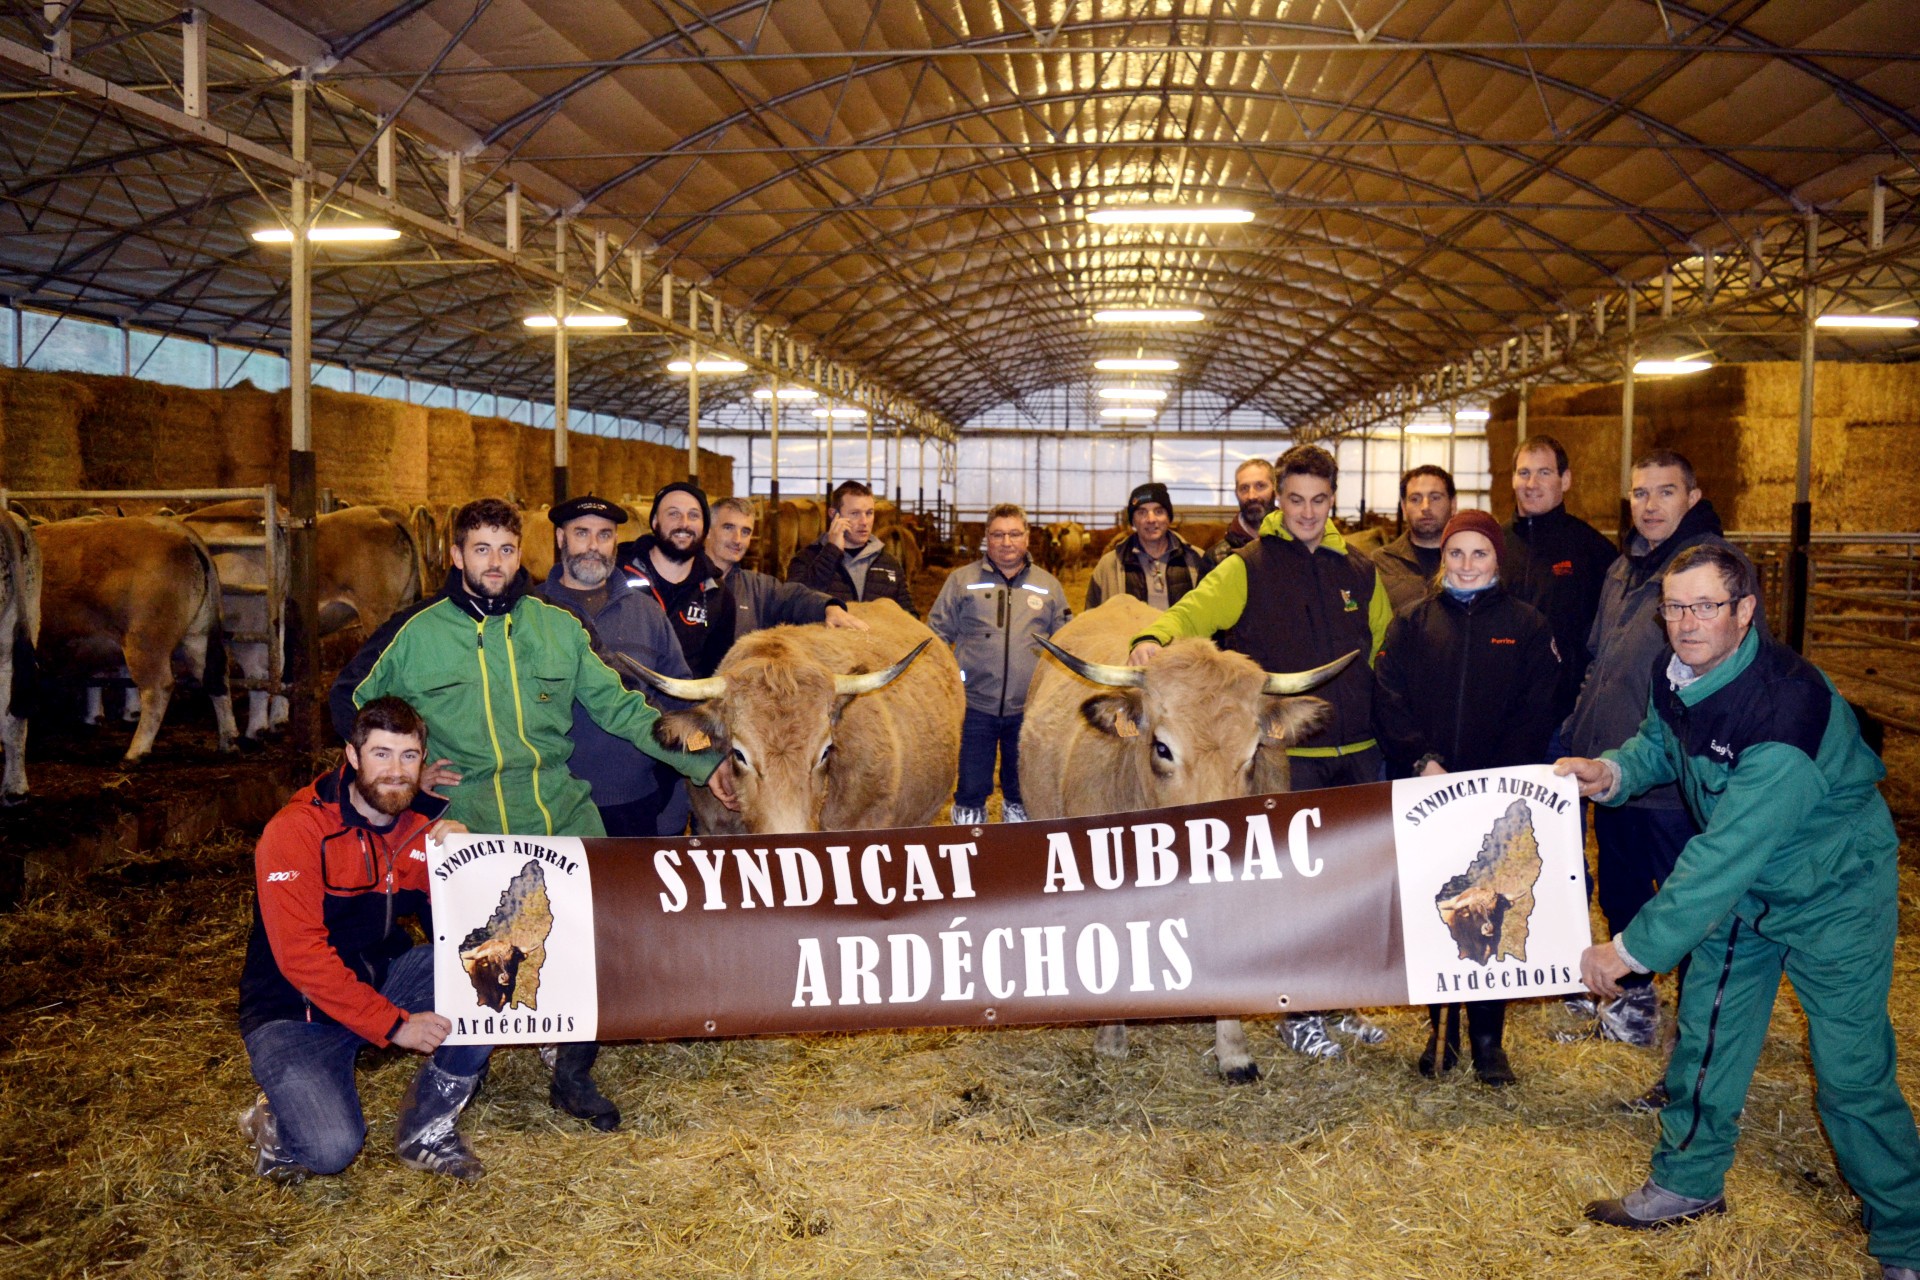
(1639, 842)
(760, 601)
(991, 611)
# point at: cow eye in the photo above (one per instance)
(825, 752)
(739, 757)
(1162, 750)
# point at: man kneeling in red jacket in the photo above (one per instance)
(330, 968)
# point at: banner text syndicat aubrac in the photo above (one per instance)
(1458, 887)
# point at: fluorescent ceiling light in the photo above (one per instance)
(1148, 315)
(345, 233)
(705, 366)
(1866, 322)
(1119, 365)
(1138, 413)
(1132, 393)
(1164, 214)
(580, 320)
(1429, 429)
(787, 393)
(840, 413)
(1471, 415)
(1656, 368)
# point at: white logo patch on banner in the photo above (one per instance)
(513, 928)
(1480, 921)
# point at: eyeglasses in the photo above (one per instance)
(1705, 610)
(1007, 537)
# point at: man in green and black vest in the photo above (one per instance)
(1297, 598)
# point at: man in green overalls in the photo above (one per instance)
(1794, 871)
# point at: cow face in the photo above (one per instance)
(1201, 728)
(493, 967)
(1474, 916)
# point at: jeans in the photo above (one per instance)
(1637, 851)
(981, 737)
(306, 1070)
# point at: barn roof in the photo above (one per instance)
(904, 188)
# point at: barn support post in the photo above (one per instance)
(770, 556)
(693, 414)
(869, 451)
(562, 374)
(899, 463)
(1799, 568)
(1626, 431)
(305, 721)
(921, 503)
(826, 478)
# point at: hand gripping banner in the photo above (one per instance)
(1460, 887)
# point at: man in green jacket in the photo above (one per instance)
(1295, 598)
(1794, 871)
(496, 671)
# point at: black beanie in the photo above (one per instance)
(687, 486)
(1151, 491)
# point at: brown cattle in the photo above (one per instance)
(1473, 916)
(1201, 534)
(493, 967)
(802, 521)
(243, 604)
(827, 730)
(1196, 725)
(367, 567)
(125, 594)
(1070, 545)
(1098, 540)
(20, 574)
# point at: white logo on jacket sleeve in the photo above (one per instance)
(273, 876)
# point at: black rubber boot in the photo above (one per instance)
(574, 1091)
(1486, 1025)
(1436, 1059)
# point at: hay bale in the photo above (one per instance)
(716, 474)
(496, 460)
(369, 450)
(42, 442)
(451, 456)
(620, 468)
(583, 464)
(251, 438)
(534, 462)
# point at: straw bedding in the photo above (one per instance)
(982, 1154)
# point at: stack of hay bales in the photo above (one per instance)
(452, 459)
(583, 462)
(496, 459)
(148, 435)
(367, 449)
(250, 439)
(620, 469)
(41, 439)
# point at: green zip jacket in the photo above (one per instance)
(496, 682)
(1794, 835)
(1216, 603)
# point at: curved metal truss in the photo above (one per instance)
(903, 188)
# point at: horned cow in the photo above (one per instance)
(1474, 916)
(19, 633)
(124, 594)
(827, 730)
(1197, 725)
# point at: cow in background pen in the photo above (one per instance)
(20, 574)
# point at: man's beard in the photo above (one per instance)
(676, 554)
(481, 589)
(1427, 527)
(1252, 513)
(589, 568)
(390, 796)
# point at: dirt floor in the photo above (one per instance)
(994, 1155)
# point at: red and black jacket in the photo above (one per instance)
(330, 892)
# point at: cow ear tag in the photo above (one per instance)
(698, 741)
(1124, 727)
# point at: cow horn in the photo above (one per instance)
(1098, 672)
(868, 681)
(673, 687)
(1301, 681)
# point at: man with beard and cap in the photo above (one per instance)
(1560, 561)
(330, 967)
(670, 564)
(496, 670)
(758, 600)
(1410, 564)
(848, 562)
(1253, 490)
(1639, 842)
(635, 794)
(1153, 563)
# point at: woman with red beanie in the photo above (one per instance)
(1465, 681)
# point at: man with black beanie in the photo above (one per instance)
(672, 564)
(1153, 563)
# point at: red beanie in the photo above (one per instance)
(1481, 523)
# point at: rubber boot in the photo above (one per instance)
(1436, 1059)
(425, 1137)
(1486, 1025)
(574, 1091)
